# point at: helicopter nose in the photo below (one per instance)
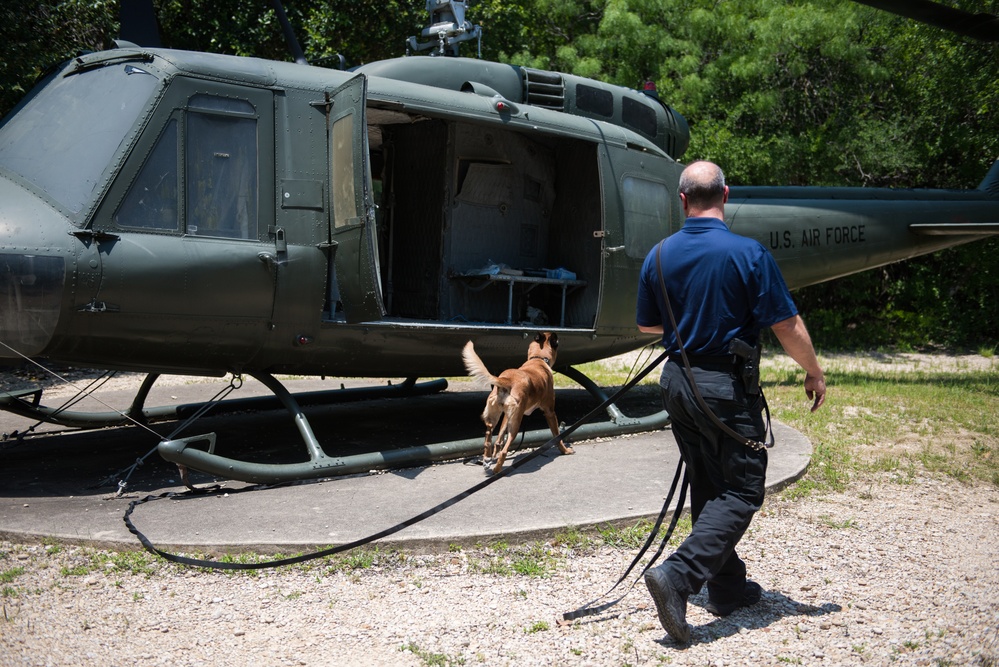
(33, 251)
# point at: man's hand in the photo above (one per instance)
(793, 336)
(815, 387)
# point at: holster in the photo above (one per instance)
(749, 363)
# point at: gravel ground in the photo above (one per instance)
(886, 573)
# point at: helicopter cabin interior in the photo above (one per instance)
(481, 224)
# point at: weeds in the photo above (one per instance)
(635, 536)
(8, 576)
(429, 658)
(537, 626)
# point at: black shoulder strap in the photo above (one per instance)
(753, 444)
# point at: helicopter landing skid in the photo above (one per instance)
(321, 465)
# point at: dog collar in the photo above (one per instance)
(548, 362)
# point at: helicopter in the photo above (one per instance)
(175, 212)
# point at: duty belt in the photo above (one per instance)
(727, 362)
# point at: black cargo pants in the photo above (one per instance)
(727, 478)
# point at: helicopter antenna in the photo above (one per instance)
(289, 34)
(448, 28)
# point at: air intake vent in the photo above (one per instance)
(544, 89)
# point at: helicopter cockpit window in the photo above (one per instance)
(65, 136)
(152, 201)
(646, 214)
(594, 100)
(221, 175)
(639, 117)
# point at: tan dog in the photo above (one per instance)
(516, 392)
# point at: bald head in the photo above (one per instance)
(702, 188)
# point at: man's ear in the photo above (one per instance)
(725, 196)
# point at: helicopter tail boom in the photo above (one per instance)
(989, 187)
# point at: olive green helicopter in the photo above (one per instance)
(173, 212)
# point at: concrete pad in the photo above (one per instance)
(50, 486)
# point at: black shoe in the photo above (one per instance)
(671, 605)
(750, 596)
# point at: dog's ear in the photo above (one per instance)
(540, 339)
(553, 339)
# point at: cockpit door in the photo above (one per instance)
(355, 282)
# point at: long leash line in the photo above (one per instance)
(587, 609)
(218, 565)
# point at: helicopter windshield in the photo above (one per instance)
(63, 138)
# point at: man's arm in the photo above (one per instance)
(794, 338)
(658, 329)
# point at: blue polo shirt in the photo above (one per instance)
(721, 286)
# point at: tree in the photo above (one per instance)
(37, 36)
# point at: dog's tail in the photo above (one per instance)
(476, 368)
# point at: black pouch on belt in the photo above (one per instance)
(749, 363)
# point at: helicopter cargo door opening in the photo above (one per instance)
(480, 224)
(355, 292)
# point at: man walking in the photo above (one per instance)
(721, 287)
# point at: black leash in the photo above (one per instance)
(218, 565)
(586, 609)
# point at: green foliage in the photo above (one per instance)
(537, 626)
(7, 576)
(946, 299)
(633, 537)
(430, 658)
(35, 36)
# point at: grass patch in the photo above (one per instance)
(883, 419)
(537, 626)
(574, 539)
(609, 373)
(128, 562)
(533, 559)
(76, 570)
(633, 537)
(359, 559)
(430, 658)
(8, 576)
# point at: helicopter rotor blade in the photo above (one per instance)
(981, 26)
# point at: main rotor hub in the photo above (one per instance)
(448, 28)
